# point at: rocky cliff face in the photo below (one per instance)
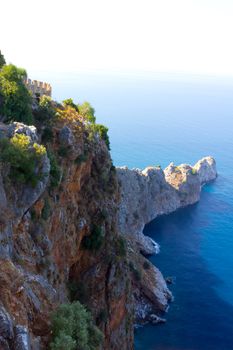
(49, 253)
(61, 236)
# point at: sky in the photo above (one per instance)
(184, 36)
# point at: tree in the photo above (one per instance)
(2, 60)
(87, 111)
(73, 328)
(15, 98)
(70, 102)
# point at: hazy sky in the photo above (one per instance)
(192, 36)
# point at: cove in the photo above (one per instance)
(200, 318)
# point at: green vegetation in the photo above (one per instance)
(194, 171)
(95, 240)
(47, 135)
(63, 151)
(45, 111)
(73, 328)
(46, 211)
(102, 131)
(2, 60)
(70, 102)
(55, 171)
(16, 100)
(87, 111)
(22, 158)
(120, 247)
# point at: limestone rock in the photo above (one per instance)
(152, 192)
(6, 324)
(20, 128)
(22, 339)
(66, 136)
(206, 169)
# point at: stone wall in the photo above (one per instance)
(38, 88)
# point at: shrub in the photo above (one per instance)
(22, 158)
(16, 100)
(45, 111)
(46, 211)
(102, 131)
(63, 151)
(87, 111)
(2, 60)
(55, 171)
(70, 102)
(63, 342)
(194, 171)
(73, 328)
(95, 240)
(121, 247)
(47, 135)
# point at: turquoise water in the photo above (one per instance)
(155, 120)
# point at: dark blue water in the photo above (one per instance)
(154, 120)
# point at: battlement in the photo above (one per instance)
(38, 88)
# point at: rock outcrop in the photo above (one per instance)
(148, 193)
(144, 196)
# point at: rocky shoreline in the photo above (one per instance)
(145, 195)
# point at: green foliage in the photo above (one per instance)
(194, 171)
(47, 135)
(46, 211)
(16, 100)
(63, 151)
(70, 102)
(102, 131)
(45, 112)
(120, 247)
(22, 158)
(73, 328)
(2, 60)
(63, 342)
(95, 240)
(55, 171)
(87, 111)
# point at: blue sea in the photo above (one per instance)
(155, 119)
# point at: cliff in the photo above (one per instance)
(71, 229)
(144, 195)
(148, 193)
(59, 239)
